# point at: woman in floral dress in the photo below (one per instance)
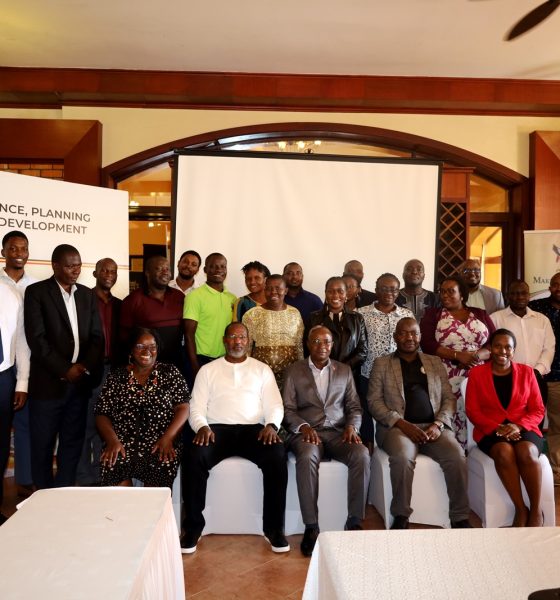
(459, 335)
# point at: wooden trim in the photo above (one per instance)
(419, 147)
(77, 144)
(544, 173)
(42, 87)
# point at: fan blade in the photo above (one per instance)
(532, 19)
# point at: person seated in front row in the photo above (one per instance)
(504, 404)
(410, 398)
(139, 414)
(323, 415)
(236, 410)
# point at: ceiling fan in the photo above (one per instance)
(532, 19)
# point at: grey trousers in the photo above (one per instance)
(308, 458)
(446, 451)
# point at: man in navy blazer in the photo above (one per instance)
(322, 414)
(64, 335)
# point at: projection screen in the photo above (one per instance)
(319, 211)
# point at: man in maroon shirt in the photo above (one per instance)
(109, 312)
(156, 306)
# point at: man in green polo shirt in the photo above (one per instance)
(207, 311)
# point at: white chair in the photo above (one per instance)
(430, 503)
(487, 495)
(235, 492)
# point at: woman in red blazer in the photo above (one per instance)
(505, 406)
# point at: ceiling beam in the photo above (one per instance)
(54, 88)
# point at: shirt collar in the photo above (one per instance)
(314, 368)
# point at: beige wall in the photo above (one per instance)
(127, 131)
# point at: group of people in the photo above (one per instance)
(110, 382)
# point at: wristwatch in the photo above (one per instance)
(439, 425)
(273, 426)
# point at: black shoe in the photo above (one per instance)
(189, 541)
(353, 524)
(3, 519)
(308, 541)
(277, 541)
(463, 524)
(400, 523)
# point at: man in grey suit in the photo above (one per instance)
(322, 414)
(410, 397)
(480, 296)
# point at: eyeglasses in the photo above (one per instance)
(386, 290)
(320, 342)
(467, 271)
(236, 336)
(142, 347)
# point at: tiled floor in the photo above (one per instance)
(243, 566)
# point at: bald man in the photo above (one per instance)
(356, 270)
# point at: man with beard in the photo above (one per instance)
(235, 410)
(411, 399)
(156, 306)
(413, 296)
(480, 296)
(187, 268)
(15, 250)
(306, 302)
(109, 308)
(207, 311)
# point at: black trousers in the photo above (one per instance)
(63, 419)
(7, 388)
(235, 440)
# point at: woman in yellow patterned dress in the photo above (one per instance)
(275, 329)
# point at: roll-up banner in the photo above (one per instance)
(542, 260)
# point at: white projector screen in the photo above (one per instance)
(318, 211)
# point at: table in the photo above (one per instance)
(434, 564)
(102, 543)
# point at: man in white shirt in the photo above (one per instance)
(236, 410)
(187, 268)
(534, 334)
(15, 250)
(13, 383)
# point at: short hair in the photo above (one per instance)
(137, 332)
(351, 277)
(236, 323)
(503, 331)
(102, 260)
(335, 278)
(192, 253)
(463, 289)
(153, 259)
(517, 281)
(61, 250)
(319, 326)
(256, 266)
(290, 264)
(383, 275)
(13, 234)
(405, 320)
(275, 276)
(213, 255)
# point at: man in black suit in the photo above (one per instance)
(323, 414)
(66, 341)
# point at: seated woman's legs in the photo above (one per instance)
(505, 460)
(527, 457)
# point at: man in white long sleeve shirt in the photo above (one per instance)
(533, 332)
(236, 410)
(14, 371)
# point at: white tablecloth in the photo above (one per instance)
(102, 543)
(456, 564)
